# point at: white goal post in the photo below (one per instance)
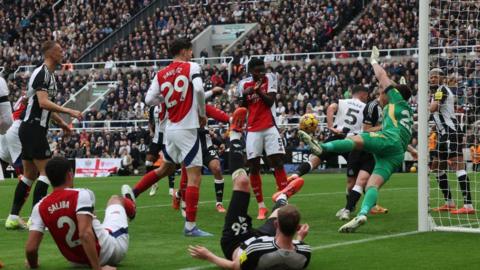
(445, 17)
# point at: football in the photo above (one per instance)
(308, 123)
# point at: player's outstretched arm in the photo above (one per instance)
(47, 104)
(202, 253)
(31, 249)
(331, 110)
(380, 73)
(153, 96)
(87, 239)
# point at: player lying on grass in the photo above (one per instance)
(272, 246)
(388, 145)
(68, 213)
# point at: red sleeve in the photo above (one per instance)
(217, 114)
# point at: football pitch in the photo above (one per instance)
(156, 235)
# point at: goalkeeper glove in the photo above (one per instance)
(375, 56)
(402, 80)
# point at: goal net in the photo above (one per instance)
(453, 133)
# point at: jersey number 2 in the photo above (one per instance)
(179, 85)
(71, 230)
(353, 116)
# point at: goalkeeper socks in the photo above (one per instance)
(339, 146)
(191, 201)
(256, 182)
(219, 185)
(353, 197)
(280, 177)
(145, 183)
(304, 168)
(41, 189)
(465, 186)
(21, 194)
(442, 179)
(369, 201)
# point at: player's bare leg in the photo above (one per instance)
(256, 183)
(375, 182)
(458, 164)
(216, 170)
(21, 194)
(191, 199)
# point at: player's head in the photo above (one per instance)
(53, 51)
(256, 66)
(402, 88)
(288, 220)
(59, 172)
(360, 92)
(181, 48)
(435, 78)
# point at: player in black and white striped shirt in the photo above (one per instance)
(449, 145)
(41, 93)
(5, 108)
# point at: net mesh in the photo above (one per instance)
(454, 52)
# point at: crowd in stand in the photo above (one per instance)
(78, 25)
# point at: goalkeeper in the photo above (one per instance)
(388, 145)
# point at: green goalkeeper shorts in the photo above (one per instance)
(387, 150)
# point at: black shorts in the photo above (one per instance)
(33, 138)
(238, 224)
(450, 146)
(331, 157)
(155, 148)
(209, 154)
(236, 157)
(359, 160)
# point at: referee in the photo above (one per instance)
(41, 92)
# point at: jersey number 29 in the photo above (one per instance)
(180, 85)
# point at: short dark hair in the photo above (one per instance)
(57, 169)
(288, 220)
(178, 45)
(404, 91)
(359, 88)
(255, 62)
(47, 45)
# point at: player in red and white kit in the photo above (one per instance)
(68, 213)
(258, 96)
(180, 87)
(10, 150)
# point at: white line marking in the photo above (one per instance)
(296, 196)
(348, 243)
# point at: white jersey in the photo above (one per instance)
(158, 119)
(349, 118)
(445, 119)
(5, 107)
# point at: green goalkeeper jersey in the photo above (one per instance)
(398, 117)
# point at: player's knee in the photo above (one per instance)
(242, 183)
(215, 168)
(115, 199)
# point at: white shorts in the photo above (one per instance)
(268, 139)
(112, 235)
(10, 145)
(183, 146)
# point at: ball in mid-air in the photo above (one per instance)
(308, 123)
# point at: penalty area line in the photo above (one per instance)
(347, 243)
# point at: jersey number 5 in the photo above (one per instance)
(351, 113)
(180, 85)
(71, 230)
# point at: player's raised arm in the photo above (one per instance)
(198, 90)
(380, 73)
(5, 108)
(269, 97)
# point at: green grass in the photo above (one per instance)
(157, 242)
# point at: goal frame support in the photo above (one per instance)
(424, 223)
